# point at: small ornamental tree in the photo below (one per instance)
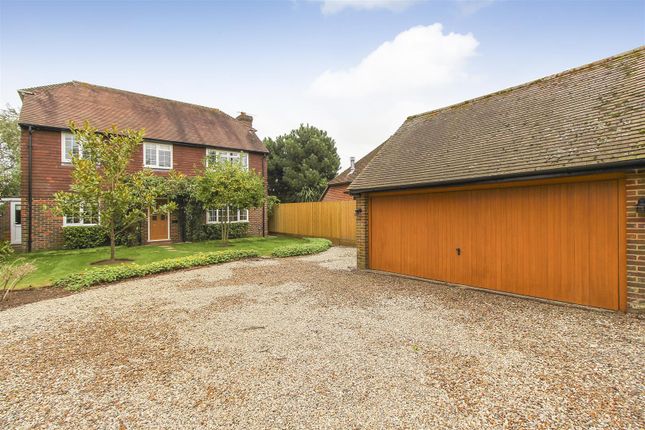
(103, 189)
(225, 186)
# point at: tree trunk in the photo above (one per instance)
(112, 242)
(225, 232)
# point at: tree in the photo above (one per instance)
(301, 163)
(9, 152)
(225, 187)
(102, 187)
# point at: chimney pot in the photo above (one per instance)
(352, 165)
(246, 119)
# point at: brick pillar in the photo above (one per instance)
(362, 231)
(635, 189)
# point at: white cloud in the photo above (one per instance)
(422, 68)
(420, 57)
(330, 7)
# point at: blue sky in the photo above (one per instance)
(355, 68)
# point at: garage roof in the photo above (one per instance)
(590, 116)
(163, 119)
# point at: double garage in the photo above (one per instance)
(558, 239)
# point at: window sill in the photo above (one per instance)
(232, 222)
(155, 168)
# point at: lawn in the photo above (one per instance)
(52, 265)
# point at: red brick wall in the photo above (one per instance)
(336, 193)
(5, 221)
(49, 175)
(635, 189)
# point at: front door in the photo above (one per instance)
(16, 223)
(159, 226)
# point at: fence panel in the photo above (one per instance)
(331, 220)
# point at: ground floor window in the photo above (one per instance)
(81, 218)
(214, 216)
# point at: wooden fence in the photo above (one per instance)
(332, 220)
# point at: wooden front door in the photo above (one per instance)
(159, 226)
(558, 241)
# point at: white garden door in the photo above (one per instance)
(16, 223)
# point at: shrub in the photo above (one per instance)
(78, 237)
(131, 236)
(313, 247)
(6, 250)
(102, 275)
(12, 273)
(235, 230)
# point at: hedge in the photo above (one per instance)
(102, 275)
(235, 230)
(79, 237)
(313, 247)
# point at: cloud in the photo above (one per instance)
(421, 57)
(330, 7)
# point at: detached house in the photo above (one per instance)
(178, 136)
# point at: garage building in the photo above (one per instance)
(537, 190)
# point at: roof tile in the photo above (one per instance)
(169, 120)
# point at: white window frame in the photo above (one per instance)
(81, 223)
(230, 156)
(63, 152)
(157, 148)
(209, 219)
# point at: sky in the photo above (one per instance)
(355, 68)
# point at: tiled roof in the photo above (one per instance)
(55, 105)
(345, 177)
(591, 116)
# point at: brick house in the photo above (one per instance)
(337, 188)
(537, 190)
(178, 136)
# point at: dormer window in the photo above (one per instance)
(70, 147)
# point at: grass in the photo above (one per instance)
(53, 265)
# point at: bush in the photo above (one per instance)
(6, 250)
(130, 236)
(102, 275)
(235, 230)
(313, 247)
(79, 237)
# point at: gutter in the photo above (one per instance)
(29, 189)
(545, 174)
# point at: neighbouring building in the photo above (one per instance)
(536, 190)
(178, 136)
(337, 188)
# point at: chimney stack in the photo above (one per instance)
(352, 165)
(245, 119)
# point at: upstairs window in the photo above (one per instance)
(215, 216)
(219, 156)
(70, 147)
(157, 155)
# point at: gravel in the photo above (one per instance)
(311, 343)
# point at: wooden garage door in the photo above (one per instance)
(556, 241)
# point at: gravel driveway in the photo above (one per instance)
(309, 343)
